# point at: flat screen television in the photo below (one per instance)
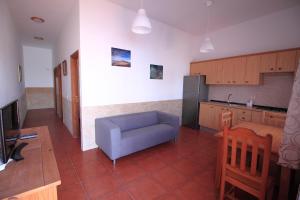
(9, 126)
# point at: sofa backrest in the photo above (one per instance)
(135, 120)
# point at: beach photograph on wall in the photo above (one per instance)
(120, 57)
(156, 71)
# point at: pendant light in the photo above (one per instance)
(207, 45)
(141, 23)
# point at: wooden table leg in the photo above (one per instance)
(284, 183)
(219, 162)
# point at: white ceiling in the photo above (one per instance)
(53, 11)
(187, 15)
(191, 15)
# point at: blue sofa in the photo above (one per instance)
(122, 135)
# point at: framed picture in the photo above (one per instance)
(120, 57)
(20, 73)
(64, 67)
(156, 71)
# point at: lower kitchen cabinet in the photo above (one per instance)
(274, 118)
(209, 116)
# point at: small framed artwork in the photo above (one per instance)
(120, 57)
(156, 71)
(20, 73)
(65, 69)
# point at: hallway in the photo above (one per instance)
(167, 171)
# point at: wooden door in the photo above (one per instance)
(286, 61)
(75, 94)
(252, 72)
(268, 62)
(58, 91)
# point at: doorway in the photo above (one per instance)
(58, 91)
(75, 94)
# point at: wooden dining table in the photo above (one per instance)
(262, 130)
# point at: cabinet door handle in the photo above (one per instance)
(271, 68)
(228, 81)
(279, 68)
(243, 118)
(246, 81)
(233, 81)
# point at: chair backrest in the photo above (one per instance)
(244, 143)
(226, 119)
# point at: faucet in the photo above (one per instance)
(228, 99)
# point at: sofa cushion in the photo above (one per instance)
(135, 121)
(138, 139)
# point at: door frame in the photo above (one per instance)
(75, 89)
(57, 73)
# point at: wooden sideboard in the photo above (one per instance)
(246, 69)
(37, 176)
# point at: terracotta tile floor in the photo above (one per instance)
(184, 170)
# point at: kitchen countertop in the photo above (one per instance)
(243, 106)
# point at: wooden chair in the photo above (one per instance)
(241, 165)
(226, 119)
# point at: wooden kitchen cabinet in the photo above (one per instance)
(215, 73)
(244, 115)
(274, 118)
(207, 115)
(246, 70)
(268, 62)
(200, 68)
(228, 71)
(252, 71)
(283, 61)
(210, 114)
(287, 61)
(234, 70)
(257, 116)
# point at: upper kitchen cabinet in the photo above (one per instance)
(252, 71)
(215, 73)
(234, 70)
(282, 61)
(268, 62)
(200, 68)
(287, 61)
(246, 70)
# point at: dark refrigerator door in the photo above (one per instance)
(194, 91)
(190, 104)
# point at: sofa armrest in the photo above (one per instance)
(108, 137)
(172, 120)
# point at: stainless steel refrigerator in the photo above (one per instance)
(194, 91)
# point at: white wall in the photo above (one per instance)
(10, 58)
(38, 67)
(279, 30)
(104, 25)
(66, 44)
(275, 91)
(103, 84)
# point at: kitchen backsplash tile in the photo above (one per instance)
(275, 91)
